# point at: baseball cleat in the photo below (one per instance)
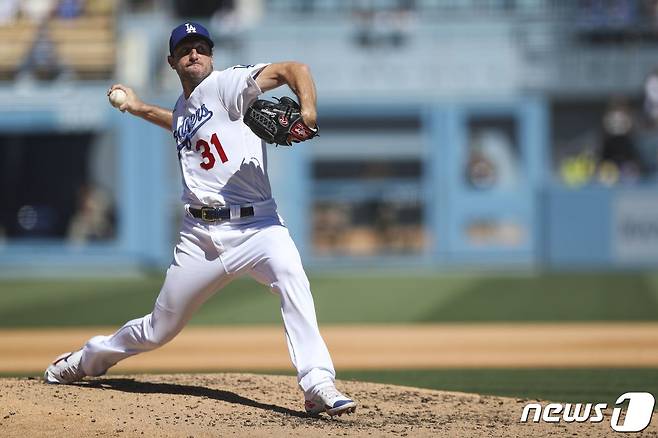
(65, 369)
(328, 399)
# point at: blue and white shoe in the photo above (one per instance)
(326, 398)
(65, 369)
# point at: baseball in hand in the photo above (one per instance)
(117, 97)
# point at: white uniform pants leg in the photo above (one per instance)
(195, 274)
(268, 254)
(271, 258)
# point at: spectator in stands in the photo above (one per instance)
(619, 159)
(235, 17)
(492, 161)
(68, 9)
(36, 11)
(383, 24)
(8, 11)
(647, 130)
(41, 62)
(331, 220)
(93, 217)
(651, 95)
(227, 24)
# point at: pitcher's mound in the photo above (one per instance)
(199, 405)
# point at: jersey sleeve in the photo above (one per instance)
(237, 87)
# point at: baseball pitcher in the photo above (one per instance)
(231, 226)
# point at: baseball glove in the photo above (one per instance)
(278, 122)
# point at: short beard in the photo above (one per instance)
(195, 80)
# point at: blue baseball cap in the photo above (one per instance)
(186, 30)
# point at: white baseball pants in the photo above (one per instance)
(207, 257)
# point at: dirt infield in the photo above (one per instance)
(362, 347)
(185, 405)
(257, 406)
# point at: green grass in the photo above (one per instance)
(561, 385)
(349, 299)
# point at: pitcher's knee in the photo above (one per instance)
(158, 334)
(289, 273)
(158, 339)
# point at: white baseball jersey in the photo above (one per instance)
(222, 161)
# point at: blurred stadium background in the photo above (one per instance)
(480, 161)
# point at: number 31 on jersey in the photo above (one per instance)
(207, 154)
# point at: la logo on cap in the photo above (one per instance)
(189, 28)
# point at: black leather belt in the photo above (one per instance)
(210, 214)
